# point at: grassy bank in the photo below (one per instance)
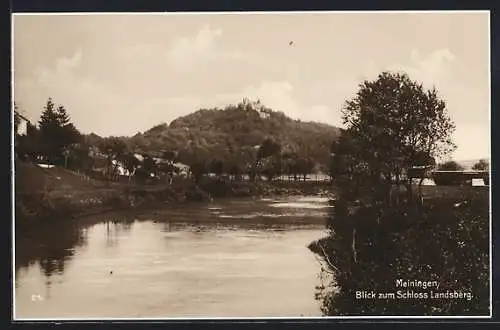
(48, 195)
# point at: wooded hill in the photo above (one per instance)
(233, 134)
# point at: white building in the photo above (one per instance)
(22, 128)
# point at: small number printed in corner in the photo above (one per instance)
(36, 297)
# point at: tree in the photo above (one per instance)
(392, 120)
(198, 168)
(114, 148)
(305, 166)
(169, 156)
(130, 162)
(481, 165)
(422, 158)
(216, 167)
(148, 168)
(235, 170)
(166, 166)
(272, 167)
(292, 164)
(79, 156)
(254, 169)
(450, 166)
(350, 173)
(268, 148)
(56, 131)
(149, 165)
(392, 124)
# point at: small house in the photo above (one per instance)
(22, 127)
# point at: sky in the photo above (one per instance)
(123, 74)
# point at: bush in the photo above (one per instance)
(40, 207)
(440, 242)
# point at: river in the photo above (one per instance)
(227, 258)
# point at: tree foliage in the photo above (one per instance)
(232, 134)
(56, 132)
(481, 165)
(454, 253)
(243, 138)
(450, 165)
(268, 148)
(393, 124)
(113, 147)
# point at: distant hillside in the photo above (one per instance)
(235, 131)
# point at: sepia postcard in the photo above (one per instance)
(258, 165)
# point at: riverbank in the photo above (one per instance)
(62, 204)
(446, 240)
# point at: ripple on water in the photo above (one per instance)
(313, 199)
(299, 205)
(272, 215)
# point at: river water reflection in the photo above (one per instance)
(231, 258)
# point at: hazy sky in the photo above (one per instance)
(121, 74)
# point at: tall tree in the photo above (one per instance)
(57, 133)
(392, 124)
(392, 120)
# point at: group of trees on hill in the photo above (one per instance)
(243, 139)
(233, 133)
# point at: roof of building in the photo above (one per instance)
(21, 116)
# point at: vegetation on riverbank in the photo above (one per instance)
(446, 241)
(67, 196)
(243, 140)
(197, 157)
(383, 228)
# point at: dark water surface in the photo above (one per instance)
(231, 258)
